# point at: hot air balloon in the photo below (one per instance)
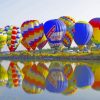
(69, 21)
(82, 33)
(3, 38)
(34, 81)
(15, 76)
(96, 71)
(54, 31)
(95, 22)
(56, 81)
(3, 76)
(69, 74)
(13, 37)
(42, 42)
(84, 76)
(32, 32)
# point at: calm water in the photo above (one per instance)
(49, 80)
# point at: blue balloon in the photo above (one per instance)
(82, 33)
(84, 76)
(54, 31)
(56, 81)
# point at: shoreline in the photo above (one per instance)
(47, 56)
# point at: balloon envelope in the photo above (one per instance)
(54, 31)
(95, 22)
(69, 22)
(32, 32)
(3, 38)
(13, 37)
(82, 33)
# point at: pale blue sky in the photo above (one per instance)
(15, 12)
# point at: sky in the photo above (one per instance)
(15, 12)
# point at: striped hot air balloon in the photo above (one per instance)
(13, 37)
(95, 22)
(69, 21)
(32, 32)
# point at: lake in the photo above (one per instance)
(55, 80)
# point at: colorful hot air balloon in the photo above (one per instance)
(82, 33)
(3, 38)
(95, 22)
(15, 76)
(54, 31)
(84, 76)
(13, 37)
(34, 81)
(56, 81)
(42, 42)
(69, 21)
(3, 76)
(32, 32)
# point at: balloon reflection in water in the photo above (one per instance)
(34, 79)
(15, 75)
(3, 76)
(69, 74)
(96, 71)
(84, 76)
(56, 81)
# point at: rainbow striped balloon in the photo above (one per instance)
(13, 37)
(32, 32)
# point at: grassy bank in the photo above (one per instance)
(25, 55)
